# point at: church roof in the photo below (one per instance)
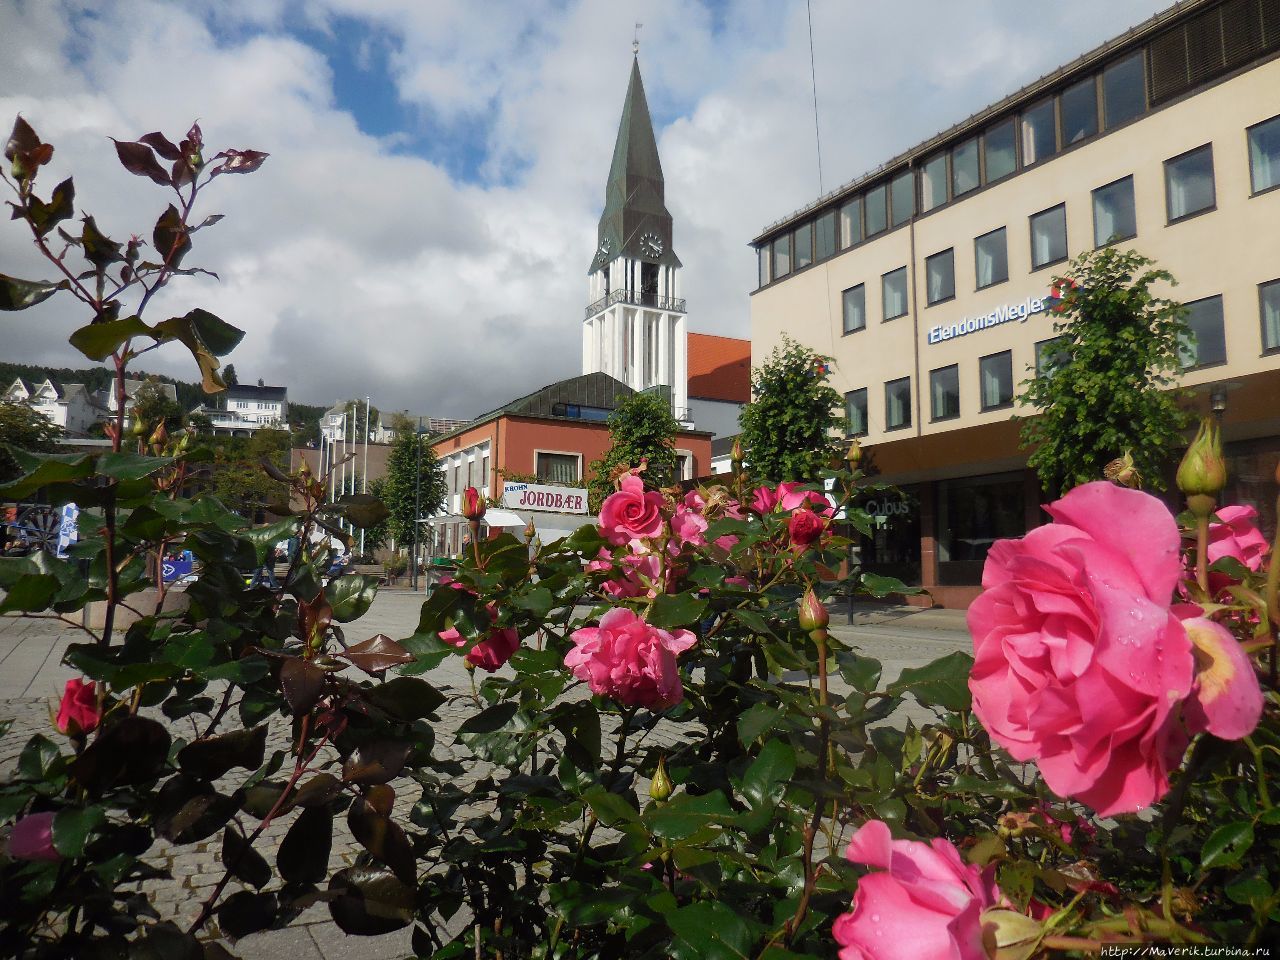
(635, 222)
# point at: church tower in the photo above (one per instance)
(635, 327)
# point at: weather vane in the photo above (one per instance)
(635, 44)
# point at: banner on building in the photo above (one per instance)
(536, 496)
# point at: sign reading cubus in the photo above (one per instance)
(535, 496)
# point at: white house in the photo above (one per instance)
(244, 409)
(68, 405)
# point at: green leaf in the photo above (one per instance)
(30, 594)
(944, 682)
(265, 538)
(610, 808)
(966, 783)
(97, 341)
(491, 718)
(72, 826)
(43, 469)
(537, 601)
(362, 510)
(18, 294)
(677, 610)
(765, 780)
(861, 673)
(686, 814)
(710, 930)
(881, 586)
(756, 720)
(406, 698)
(205, 335)
(351, 596)
(131, 466)
(45, 216)
(1226, 845)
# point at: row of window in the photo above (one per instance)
(1205, 346)
(1189, 189)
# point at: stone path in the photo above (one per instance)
(32, 676)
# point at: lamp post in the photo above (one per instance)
(417, 500)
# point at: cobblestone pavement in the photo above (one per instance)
(32, 675)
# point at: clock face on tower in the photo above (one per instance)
(602, 253)
(651, 245)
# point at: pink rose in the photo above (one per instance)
(491, 652)
(1079, 662)
(805, 527)
(788, 496)
(629, 660)
(631, 513)
(687, 527)
(1235, 534)
(926, 904)
(78, 712)
(32, 838)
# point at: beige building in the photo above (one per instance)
(927, 280)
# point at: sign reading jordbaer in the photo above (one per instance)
(535, 496)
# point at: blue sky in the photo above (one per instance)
(422, 230)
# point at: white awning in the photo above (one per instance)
(495, 517)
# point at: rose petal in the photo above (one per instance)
(1227, 700)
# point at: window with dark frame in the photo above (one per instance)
(999, 151)
(765, 275)
(855, 412)
(995, 380)
(1188, 181)
(1039, 133)
(933, 182)
(1114, 215)
(1048, 236)
(876, 208)
(1206, 342)
(557, 467)
(964, 168)
(851, 223)
(897, 404)
(1269, 309)
(944, 392)
(803, 245)
(893, 289)
(1078, 110)
(991, 258)
(782, 256)
(854, 304)
(1264, 155)
(824, 231)
(1050, 355)
(940, 276)
(1124, 90)
(903, 197)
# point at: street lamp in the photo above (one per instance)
(417, 501)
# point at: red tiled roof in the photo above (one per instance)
(719, 368)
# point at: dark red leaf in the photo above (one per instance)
(162, 145)
(239, 161)
(377, 653)
(378, 761)
(46, 216)
(170, 237)
(382, 837)
(138, 159)
(99, 249)
(302, 683)
(195, 137)
(182, 173)
(23, 139)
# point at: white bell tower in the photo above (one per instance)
(635, 327)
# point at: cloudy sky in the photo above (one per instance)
(422, 229)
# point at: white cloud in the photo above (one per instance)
(356, 268)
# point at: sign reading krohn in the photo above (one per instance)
(1002, 314)
(535, 496)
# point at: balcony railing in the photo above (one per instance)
(674, 304)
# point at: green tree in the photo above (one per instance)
(237, 476)
(356, 417)
(26, 429)
(229, 376)
(151, 404)
(792, 429)
(641, 427)
(398, 487)
(1107, 386)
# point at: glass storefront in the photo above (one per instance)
(972, 514)
(1251, 479)
(893, 549)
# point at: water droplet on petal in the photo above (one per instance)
(875, 918)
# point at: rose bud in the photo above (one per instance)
(660, 787)
(78, 713)
(472, 504)
(854, 456)
(1122, 471)
(1203, 471)
(805, 527)
(159, 435)
(813, 612)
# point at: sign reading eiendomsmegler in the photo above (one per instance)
(537, 496)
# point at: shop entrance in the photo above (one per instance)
(893, 549)
(973, 513)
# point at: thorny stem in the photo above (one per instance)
(811, 831)
(1202, 552)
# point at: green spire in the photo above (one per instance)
(635, 222)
